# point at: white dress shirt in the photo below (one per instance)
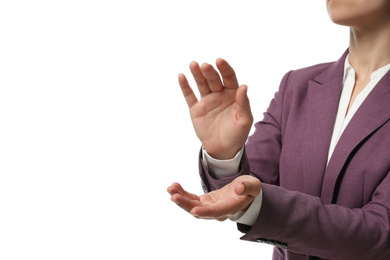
(227, 168)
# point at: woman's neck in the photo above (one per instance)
(369, 49)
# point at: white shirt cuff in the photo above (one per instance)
(228, 168)
(249, 216)
(222, 168)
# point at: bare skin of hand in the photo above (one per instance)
(222, 118)
(219, 204)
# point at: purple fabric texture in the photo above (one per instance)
(312, 210)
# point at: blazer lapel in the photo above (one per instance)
(323, 95)
(372, 114)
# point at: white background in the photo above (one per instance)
(94, 128)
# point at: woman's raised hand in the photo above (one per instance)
(222, 118)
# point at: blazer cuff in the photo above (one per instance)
(267, 225)
(249, 216)
(210, 182)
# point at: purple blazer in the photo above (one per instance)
(311, 210)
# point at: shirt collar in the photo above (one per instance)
(379, 73)
(349, 71)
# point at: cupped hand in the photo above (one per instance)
(222, 118)
(219, 204)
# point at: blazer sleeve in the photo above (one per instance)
(307, 226)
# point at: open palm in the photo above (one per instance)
(222, 117)
(218, 204)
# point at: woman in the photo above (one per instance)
(313, 179)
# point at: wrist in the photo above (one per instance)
(222, 168)
(223, 155)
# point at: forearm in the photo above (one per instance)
(220, 169)
(307, 226)
(211, 182)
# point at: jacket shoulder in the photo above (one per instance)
(308, 73)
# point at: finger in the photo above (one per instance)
(242, 97)
(187, 91)
(212, 218)
(212, 77)
(239, 188)
(248, 186)
(227, 73)
(222, 219)
(203, 212)
(184, 202)
(215, 211)
(177, 188)
(200, 80)
(243, 105)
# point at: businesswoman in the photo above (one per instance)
(313, 179)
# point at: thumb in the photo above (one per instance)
(243, 105)
(249, 186)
